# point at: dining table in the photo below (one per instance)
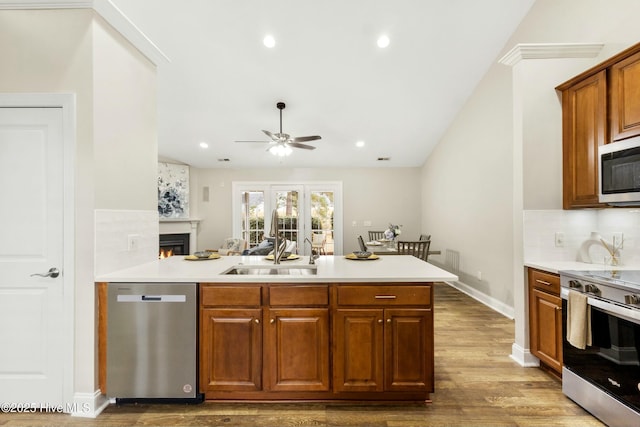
(388, 247)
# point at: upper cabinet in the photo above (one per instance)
(584, 112)
(600, 106)
(625, 98)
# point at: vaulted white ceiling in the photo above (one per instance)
(222, 84)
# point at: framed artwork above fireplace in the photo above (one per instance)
(173, 190)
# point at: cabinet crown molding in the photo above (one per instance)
(550, 51)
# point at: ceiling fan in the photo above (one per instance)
(281, 143)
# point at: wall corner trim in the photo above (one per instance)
(550, 51)
(109, 12)
(88, 405)
(523, 357)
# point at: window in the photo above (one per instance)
(306, 211)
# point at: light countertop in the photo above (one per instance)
(391, 268)
(557, 266)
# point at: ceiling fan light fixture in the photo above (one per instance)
(280, 150)
(269, 41)
(383, 41)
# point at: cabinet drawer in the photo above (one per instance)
(384, 295)
(229, 296)
(547, 282)
(298, 295)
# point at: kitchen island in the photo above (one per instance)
(350, 330)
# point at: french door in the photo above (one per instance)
(306, 211)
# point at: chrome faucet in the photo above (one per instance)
(278, 246)
(314, 255)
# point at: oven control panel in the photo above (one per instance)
(614, 293)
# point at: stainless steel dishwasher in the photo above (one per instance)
(152, 341)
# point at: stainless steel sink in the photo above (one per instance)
(271, 270)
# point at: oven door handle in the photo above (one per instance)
(609, 308)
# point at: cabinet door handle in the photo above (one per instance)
(385, 297)
(389, 320)
(379, 320)
(256, 320)
(542, 282)
(272, 321)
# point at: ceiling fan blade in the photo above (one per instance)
(306, 138)
(270, 135)
(298, 145)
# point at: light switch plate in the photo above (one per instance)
(559, 239)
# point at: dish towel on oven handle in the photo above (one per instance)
(578, 320)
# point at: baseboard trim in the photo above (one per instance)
(88, 405)
(523, 357)
(485, 299)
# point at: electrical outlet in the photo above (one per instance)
(618, 240)
(354, 223)
(559, 239)
(133, 242)
(479, 275)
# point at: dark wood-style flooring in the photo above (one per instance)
(476, 384)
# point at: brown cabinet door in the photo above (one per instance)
(625, 98)
(358, 350)
(584, 119)
(231, 350)
(545, 320)
(408, 350)
(297, 349)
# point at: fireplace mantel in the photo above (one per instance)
(179, 226)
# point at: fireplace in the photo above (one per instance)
(174, 244)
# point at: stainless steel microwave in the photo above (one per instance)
(619, 172)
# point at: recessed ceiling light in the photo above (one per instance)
(269, 41)
(360, 144)
(204, 145)
(384, 159)
(383, 41)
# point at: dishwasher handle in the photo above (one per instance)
(151, 298)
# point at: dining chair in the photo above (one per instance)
(318, 241)
(363, 247)
(376, 235)
(419, 249)
(425, 237)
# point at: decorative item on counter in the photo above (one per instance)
(392, 232)
(361, 255)
(202, 255)
(613, 250)
(612, 256)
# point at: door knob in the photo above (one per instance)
(53, 273)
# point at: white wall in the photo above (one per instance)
(65, 51)
(378, 195)
(467, 188)
(520, 118)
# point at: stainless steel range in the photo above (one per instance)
(604, 377)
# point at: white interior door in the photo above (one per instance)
(31, 242)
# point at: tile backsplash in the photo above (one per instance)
(113, 229)
(541, 226)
